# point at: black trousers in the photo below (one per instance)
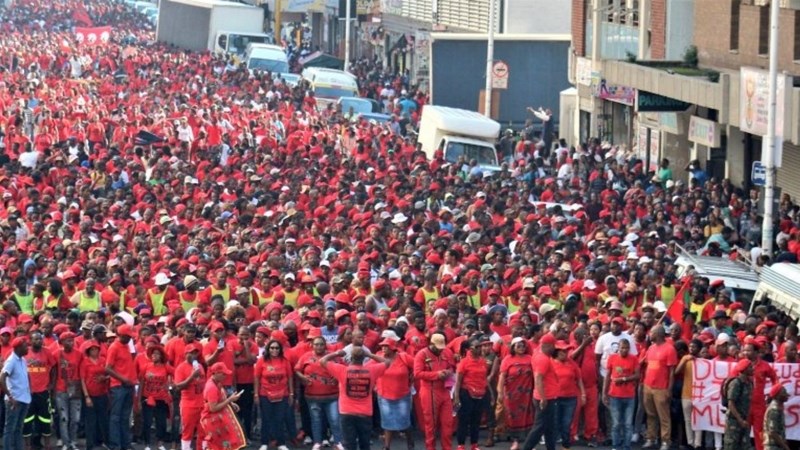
(469, 417)
(545, 424)
(159, 412)
(245, 403)
(356, 431)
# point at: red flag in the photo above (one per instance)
(92, 36)
(81, 17)
(675, 310)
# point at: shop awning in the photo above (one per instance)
(320, 59)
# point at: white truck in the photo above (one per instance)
(198, 24)
(459, 132)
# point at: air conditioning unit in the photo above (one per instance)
(790, 4)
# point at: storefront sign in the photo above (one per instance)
(655, 148)
(669, 122)
(619, 94)
(707, 378)
(704, 132)
(583, 71)
(641, 143)
(754, 101)
(649, 102)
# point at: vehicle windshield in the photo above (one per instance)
(268, 65)
(485, 156)
(238, 42)
(359, 106)
(330, 92)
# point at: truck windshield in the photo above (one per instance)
(485, 156)
(268, 65)
(238, 42)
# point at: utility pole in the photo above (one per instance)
(347, 13)
(771, 138)
(276, 30)
(487, 100)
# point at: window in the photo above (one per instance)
(763, 30)
(797, 35)
(734, 37)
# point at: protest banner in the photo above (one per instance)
(92, 36)
(707, 411)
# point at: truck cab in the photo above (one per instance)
(459, 132)
(236, 42)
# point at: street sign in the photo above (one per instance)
(759, 174)
(499, 75)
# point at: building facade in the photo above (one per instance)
(686, 79)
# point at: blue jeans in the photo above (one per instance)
(69, 417)
(566, 409)
(622, 420)
(327, 409)
(119, 435)
(273, 429)
(12, 433)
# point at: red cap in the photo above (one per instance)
(548, 339)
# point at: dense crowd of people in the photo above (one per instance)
(214, 254)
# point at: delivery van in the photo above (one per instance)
(330, 84)
(266, 58)
(459, 132)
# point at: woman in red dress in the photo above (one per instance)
(218, 420)
(515, 388)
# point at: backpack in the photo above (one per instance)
(723, 391)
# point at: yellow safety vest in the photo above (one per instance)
(25, 302)
(157, 299)
(225, 293)
(89, 303)
(187, 304)
(697, 310)
(290, 298)
(668, 294)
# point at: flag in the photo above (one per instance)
(678, 305)
(92, 36)
(81, 17)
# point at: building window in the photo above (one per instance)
(797, 35)
(734, 37)
(763, 30)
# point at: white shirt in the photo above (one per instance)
(29, 159)
(185, 134)
(608, 344)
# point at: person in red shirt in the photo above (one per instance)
(42, 374)
(120, 367)
(584, 357)
(470, 400)
(545, 393)
(94, 384)
(218, 421)
(434, 368)
(68, 389)
(356, 382)
(220, 349)
(322, 393)
(660, 361)
(571, 391)
(619, 393)
(154, 378)
(274, 391)
(190, 379)
(762, 372)
(394, 392)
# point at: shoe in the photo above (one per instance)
(308, 440)
(326, 443)
(592, 442)
(161, 447)
(147, 448)
(283, 447)
(664, 446)
(634, 438)
(316, 447)
(475, 447)
(263, 447)
(514, 445)
(460, 447)
(339, 446)
(649, 444)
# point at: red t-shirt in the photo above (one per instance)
(226, 356)
(660, 358)
(322, 385)
(474, 373)
(568, 374)
(273, 376)
(120, 359)
(212, 394)
(394, 384)
(619, 367)
(68, 369)
(355, 386)
(155, 381)
(192, 394)
(39, 365)
(244, 372)
(543, 365)
(92, 373)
